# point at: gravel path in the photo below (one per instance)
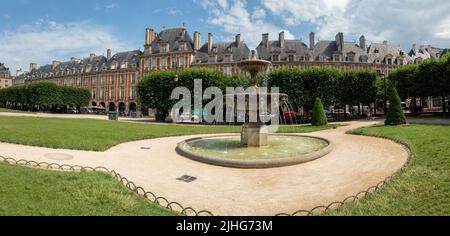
(354, 165)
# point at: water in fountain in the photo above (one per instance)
(255, 144)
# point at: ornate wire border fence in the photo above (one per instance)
(335, 205)
(189, 211)
(161, 201)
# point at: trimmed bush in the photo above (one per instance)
(45, 95)
(395, 115)
(318, 116)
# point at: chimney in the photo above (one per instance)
(312, 41)
(73, 59)
(385, 42)
(340, 41)
(281, 39)
(33, 66)
(238, 40)
(149, 36)
(362, 42)
(210, 42)
(91, 56)
(265, 40)
(197, 40)
(414, 47)
(108, 54)
(55, 64)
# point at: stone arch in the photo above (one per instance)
(102, 104)
(94, 104)
(132, 107)
(112, 106)
(122, 108)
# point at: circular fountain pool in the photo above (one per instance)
(281, 150)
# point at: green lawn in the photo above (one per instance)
(98, 135)
(33, 192)
(424, 187)
(10, 110)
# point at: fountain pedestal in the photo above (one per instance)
(254, 135)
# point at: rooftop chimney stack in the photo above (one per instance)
(91, 56)
(210, 42)
(197, 40)
(238, 40)
(55, 64)
(340, 41)
(265, 40)
(362, 43)
(312, 40)
(281, 39)
(149, 36)
(33, 66)
(109, 54)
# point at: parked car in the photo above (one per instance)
(72, 111)
(188, 118)
(293, 117)
(340, 114)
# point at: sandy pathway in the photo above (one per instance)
(355, 164)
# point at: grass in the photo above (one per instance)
(10, 110)
(98, 135)
(34, 192)
(423, 188)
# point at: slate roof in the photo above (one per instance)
(96, 63)
(173, 37)
(221, 48)
(326, 49)
(295, 47)
(4, 71)
(380, 51)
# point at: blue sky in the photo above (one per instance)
(44, 30)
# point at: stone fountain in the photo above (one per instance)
(255, 147)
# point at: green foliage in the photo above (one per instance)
(430, 78)
(44, 94)
(357, 86)
(332, 86)
(318, 117)
(156, 88)
(303, 86)
(395, 115)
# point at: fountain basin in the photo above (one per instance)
(281, 150)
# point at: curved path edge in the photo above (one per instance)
(356, 165)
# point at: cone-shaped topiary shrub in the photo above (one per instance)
(395, 115)
(318, 116)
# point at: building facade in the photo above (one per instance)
(113, 79)
(5, 77)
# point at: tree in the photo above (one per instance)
(318, 116)
(395, 115)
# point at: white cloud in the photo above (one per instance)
(297, 11)
(173, 12)
(44, 41)
(400, 22)
(106, 7)
(234, 17)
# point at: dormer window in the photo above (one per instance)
(227, 58)
(182, 47)
(164, 48)
(291, 58)
(212, 58)
(337, 58)
(124, 65)
(275, 57)
(113, 65)
(376, 50)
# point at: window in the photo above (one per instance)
(228, 58)
(154, 64)
(183, 47)
(212, 59)
(276, 58)
(133, 86)
(350, 58)
(112, 83)
(174, 62)
(164, 62)
(290, 66)
(291, 57)
(352, 67)
(122, 86)
(227, 70)
(182, 61)
(163, 48)
(102, 88)
(389, 61)
(337, 58)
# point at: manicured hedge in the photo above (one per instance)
(395, 115)
(46, 95)
(156, 88)
(318, 117)
(428, 79)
